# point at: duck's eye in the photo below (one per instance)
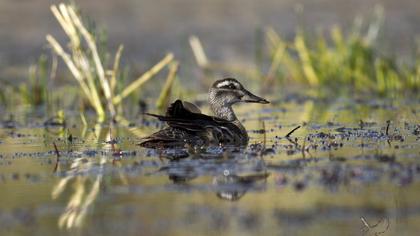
(231, 86)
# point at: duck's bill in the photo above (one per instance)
(251, 98)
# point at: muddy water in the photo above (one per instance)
(352, 168)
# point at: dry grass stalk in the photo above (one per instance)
(138, 83)
(209, 66)
(166, 91)
(199, 54)
(116, 67)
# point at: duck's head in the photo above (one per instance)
(229, 91)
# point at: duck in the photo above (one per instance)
(189, 127)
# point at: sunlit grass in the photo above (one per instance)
(351, 61)
(34, 91)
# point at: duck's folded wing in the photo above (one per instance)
(177, 116)
(194, 124)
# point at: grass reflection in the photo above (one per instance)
(86, 178)
(85, 191)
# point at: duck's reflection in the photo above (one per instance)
(237, 177)
(233, 187)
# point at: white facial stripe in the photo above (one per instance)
(224, 83)
(227, 82)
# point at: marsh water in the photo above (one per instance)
(352, 168)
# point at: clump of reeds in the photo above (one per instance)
(350, 60)
(339, 61)
(98, 84)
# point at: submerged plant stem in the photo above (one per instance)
(292, 131)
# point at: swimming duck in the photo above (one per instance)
(188, 126)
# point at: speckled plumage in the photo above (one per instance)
(187, 126)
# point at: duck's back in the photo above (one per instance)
(196, 129)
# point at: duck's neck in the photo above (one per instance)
(224, 112)
(222, 109)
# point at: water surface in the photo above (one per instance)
(352, 168)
